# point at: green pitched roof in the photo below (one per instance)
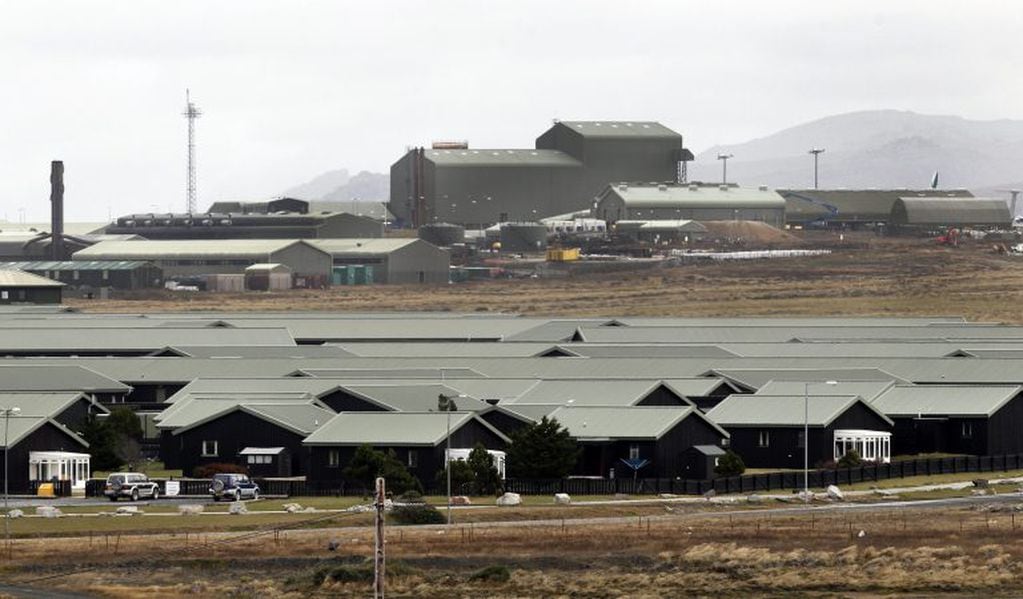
(785, 410)
(634, 422)
(392, 428)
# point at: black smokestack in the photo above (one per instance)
(57, 210)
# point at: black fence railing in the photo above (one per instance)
(61, 488)
(747, 483)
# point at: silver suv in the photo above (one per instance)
(132, 485)
(233, 487)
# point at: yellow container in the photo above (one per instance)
(45, 490)
(562, 254)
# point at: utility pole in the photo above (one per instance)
(724, 167)
(379, 573)
(7, 514)
(191, 113)
(816, 152)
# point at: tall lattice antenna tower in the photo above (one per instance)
(191, 112)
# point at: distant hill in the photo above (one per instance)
(366, 186)
(880, 148)
(320, 186)
(336, 191)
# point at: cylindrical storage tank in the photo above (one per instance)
(442, 234)
(523, 237)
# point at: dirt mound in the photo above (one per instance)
(752, 232)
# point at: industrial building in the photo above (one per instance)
(310, 264)
(571, 162)
(393, 261)
(950, 212)
(17, 287)
(116, 274)
(226, 225)
(677, 201)
(660, 230)
(852, 207)
(292, 205)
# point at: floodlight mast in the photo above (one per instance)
(191, 113)
(816, 152)
(724, 167)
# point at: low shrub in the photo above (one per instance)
(850, 460)
(492, 574)
(418, 513)
(730, 464)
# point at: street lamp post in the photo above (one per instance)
(816, 152)
(7, 516)
(724, 167)
(806, 438)
(446, 403)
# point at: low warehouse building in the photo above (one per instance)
(118, 274)
(652, 440)
(417, 438)
(852, 207)
(950, 212)
(978, 420)
(17, 287)
(393, 261)
(226, 225)
(767, 431)
(679, 201)
(660, 230)
(188, 257)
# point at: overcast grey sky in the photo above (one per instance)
(293, 89)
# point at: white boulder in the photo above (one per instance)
(509, 499)
(292, 508)
(238, 508)
(191, 509)
(15, 513)
(48, 511)
(562, 498)
(128, 510)
(461, 500)
(835, 493)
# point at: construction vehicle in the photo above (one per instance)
(562, 254)
(950, 238)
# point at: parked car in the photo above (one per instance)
(132, 485)
(233, 487)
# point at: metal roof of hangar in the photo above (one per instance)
(502, 158)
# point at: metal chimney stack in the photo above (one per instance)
(57, 210)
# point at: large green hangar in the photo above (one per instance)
(571, 163)
(653, 202)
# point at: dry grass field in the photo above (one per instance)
(865, 275)
(952, 552)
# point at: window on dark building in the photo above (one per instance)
(967, 430)
(333, 458)
(633, 452)
(764, 439)
(210, 449)
(413, 458)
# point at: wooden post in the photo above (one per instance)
(378, 560)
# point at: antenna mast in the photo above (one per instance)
(191, 112)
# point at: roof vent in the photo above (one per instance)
(723, 187)
(662, 187)
(762, 188)
(694, 187)
(623, 187)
